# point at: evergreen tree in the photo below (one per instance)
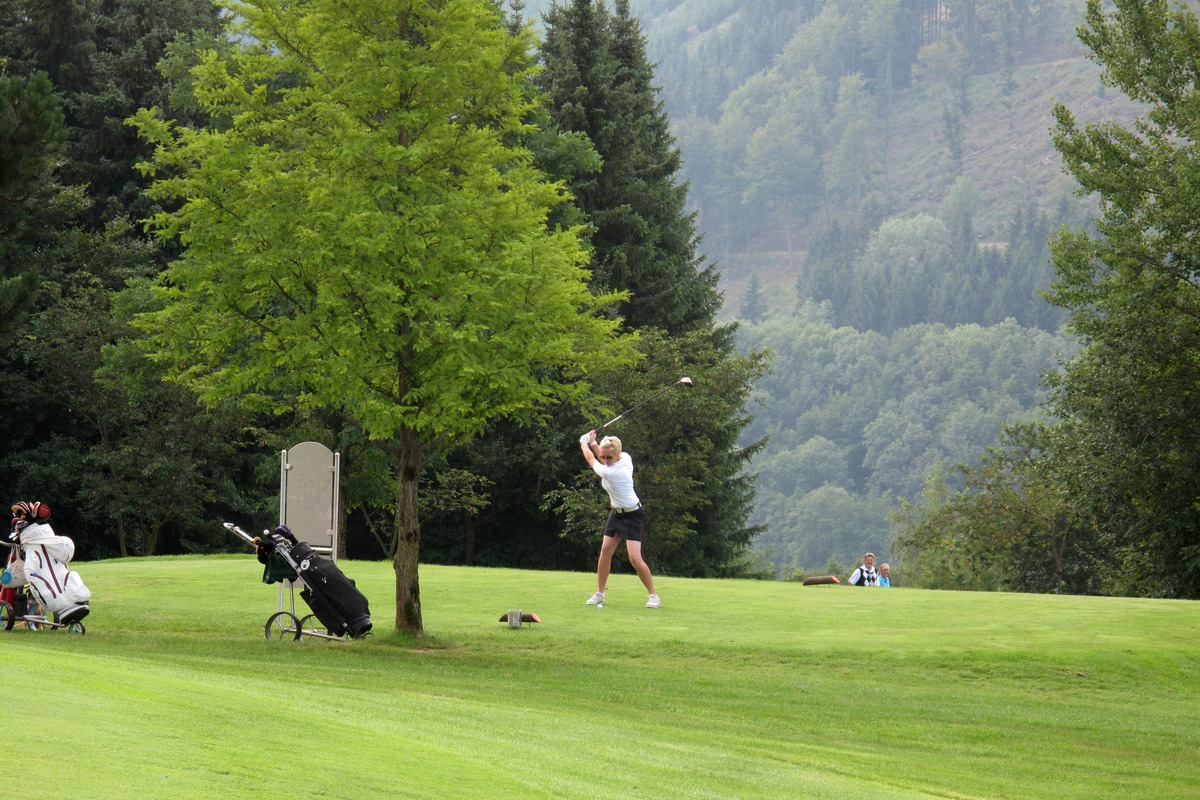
(31, 137)
(102, 57)
(598, 81)
(754, 305)
(606, 137)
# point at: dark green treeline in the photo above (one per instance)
(132, 464)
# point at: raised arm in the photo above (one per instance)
(586, 443)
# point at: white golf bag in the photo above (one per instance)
(57, 587)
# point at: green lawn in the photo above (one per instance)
(734, 689)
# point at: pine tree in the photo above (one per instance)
(754, 305)
(599, 82)
(102, 58)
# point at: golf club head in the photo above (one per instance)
(686, 381)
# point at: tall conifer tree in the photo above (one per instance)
(599, 82)
(603, 132)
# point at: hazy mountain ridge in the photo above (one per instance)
(1005, 149)
(1008, 156)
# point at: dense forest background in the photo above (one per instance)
(105, 123)
(871, 186)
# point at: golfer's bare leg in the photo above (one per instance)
(643, 570)
(604, 565)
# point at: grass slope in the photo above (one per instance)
(732, 690)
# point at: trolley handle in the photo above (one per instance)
(269, 539)
(236, 531)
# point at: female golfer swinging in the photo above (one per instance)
(627, 516)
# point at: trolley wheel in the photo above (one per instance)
(76, 627)
(6, 614)
(310, 624)
(282, 626)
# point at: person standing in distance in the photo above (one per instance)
(627, 517)
(884, 572)
(866, 574)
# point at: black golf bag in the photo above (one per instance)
(333, 597)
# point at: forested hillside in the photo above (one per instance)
(856, 419)
(805, 126)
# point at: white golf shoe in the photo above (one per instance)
(596, 600)
(654, 601)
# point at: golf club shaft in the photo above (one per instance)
(685, 381)
(631, 408)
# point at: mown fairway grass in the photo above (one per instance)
(733, 689)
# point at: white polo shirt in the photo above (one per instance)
(617, 480)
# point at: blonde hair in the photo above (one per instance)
(611, 443)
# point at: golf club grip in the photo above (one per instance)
(234, 529)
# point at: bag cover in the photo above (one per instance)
(333, 597)
(51, 582)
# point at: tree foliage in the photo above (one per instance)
(1129, 401)
(597, 81)
(1010, 522)
(597, 90)
(694, 480)
(361, 236)
(31, 138)
(104, 444)
(856, 420)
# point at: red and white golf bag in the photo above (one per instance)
(52, 582)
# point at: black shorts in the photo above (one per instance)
(628, 525)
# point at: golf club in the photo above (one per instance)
(684, 381)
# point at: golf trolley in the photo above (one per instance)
(339, 609)
(303, 550)
(19, 608)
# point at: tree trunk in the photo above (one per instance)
(468, 519)
(151, 543)
(408, 537)
(121, 539)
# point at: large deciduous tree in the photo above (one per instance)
(361, 234)
(1132, 396)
